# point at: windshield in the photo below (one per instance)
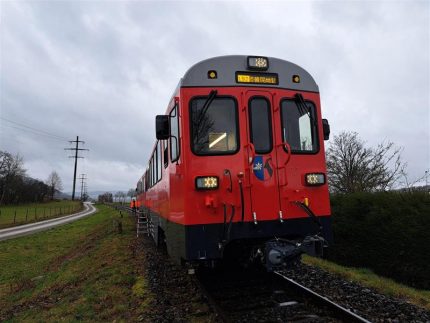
(214, 126)
(298, 126)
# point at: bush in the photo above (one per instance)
(388, 232)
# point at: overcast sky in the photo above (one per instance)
(103, 70)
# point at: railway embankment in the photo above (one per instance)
(89, 270)
(386, 232)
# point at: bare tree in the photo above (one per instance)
(131, 193)
(121, 196)
(105, 198)
(54, 182)
(352, 167)
(11, 171)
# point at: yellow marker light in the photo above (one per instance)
(212, 74)
(296, 79)
(315, 179)
(206, 182)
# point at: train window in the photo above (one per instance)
(260, 122)
(174, 134)
(214, 127)
(150, 173)
(299, 127)
(159, 161)
(154, 167)
(165, 155)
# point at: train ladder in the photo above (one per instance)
(142, 225)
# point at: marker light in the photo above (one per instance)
(258, 63)
(296, 79)
(212, 74)
(315, 179)
(206, 182)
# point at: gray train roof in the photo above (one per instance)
(227, 66)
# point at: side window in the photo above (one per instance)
(150, 173)
(299, 127)
(260, 125)
(147, 179)
(159, 161)
(165, 154)
(174, 134)
(154, 169)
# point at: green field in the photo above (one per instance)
(13, 215)
(85, 270)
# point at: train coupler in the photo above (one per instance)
(284, 254)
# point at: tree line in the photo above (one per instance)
(119, 196)
(17, 187)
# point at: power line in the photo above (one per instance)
(34, 133)
(32, 129)
(83, 184)
(76, 150)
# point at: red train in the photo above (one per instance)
(238, 169)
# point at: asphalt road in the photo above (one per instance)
(31, 228)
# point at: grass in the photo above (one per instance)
(14, 215)
(85, 270)
(367, 278)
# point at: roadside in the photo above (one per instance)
(31, 228)
(15, 215)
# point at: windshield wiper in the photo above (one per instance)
(303, 107)
(206, 105)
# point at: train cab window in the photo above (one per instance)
(299, 126)
(174, 134)
(260, 125)
(214, 129)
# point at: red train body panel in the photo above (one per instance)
(255, 135)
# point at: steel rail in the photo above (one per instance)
(338, 310)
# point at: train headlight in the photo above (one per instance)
(315, 179)
(206, 182)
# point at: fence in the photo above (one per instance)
(11, 216)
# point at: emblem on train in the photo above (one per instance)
(262, 169)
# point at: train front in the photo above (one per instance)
(254, 163)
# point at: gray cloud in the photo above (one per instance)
(103, 70)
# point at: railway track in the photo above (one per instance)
(256, 296)
(338, 310)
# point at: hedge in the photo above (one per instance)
(388, 232)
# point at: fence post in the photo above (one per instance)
(35, 213)
(14, 218)
(44, 212)
(26, 217)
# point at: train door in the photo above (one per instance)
(261, 163)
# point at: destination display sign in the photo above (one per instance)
(257, 78)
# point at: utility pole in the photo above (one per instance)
(82, 179)
(76, 149)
